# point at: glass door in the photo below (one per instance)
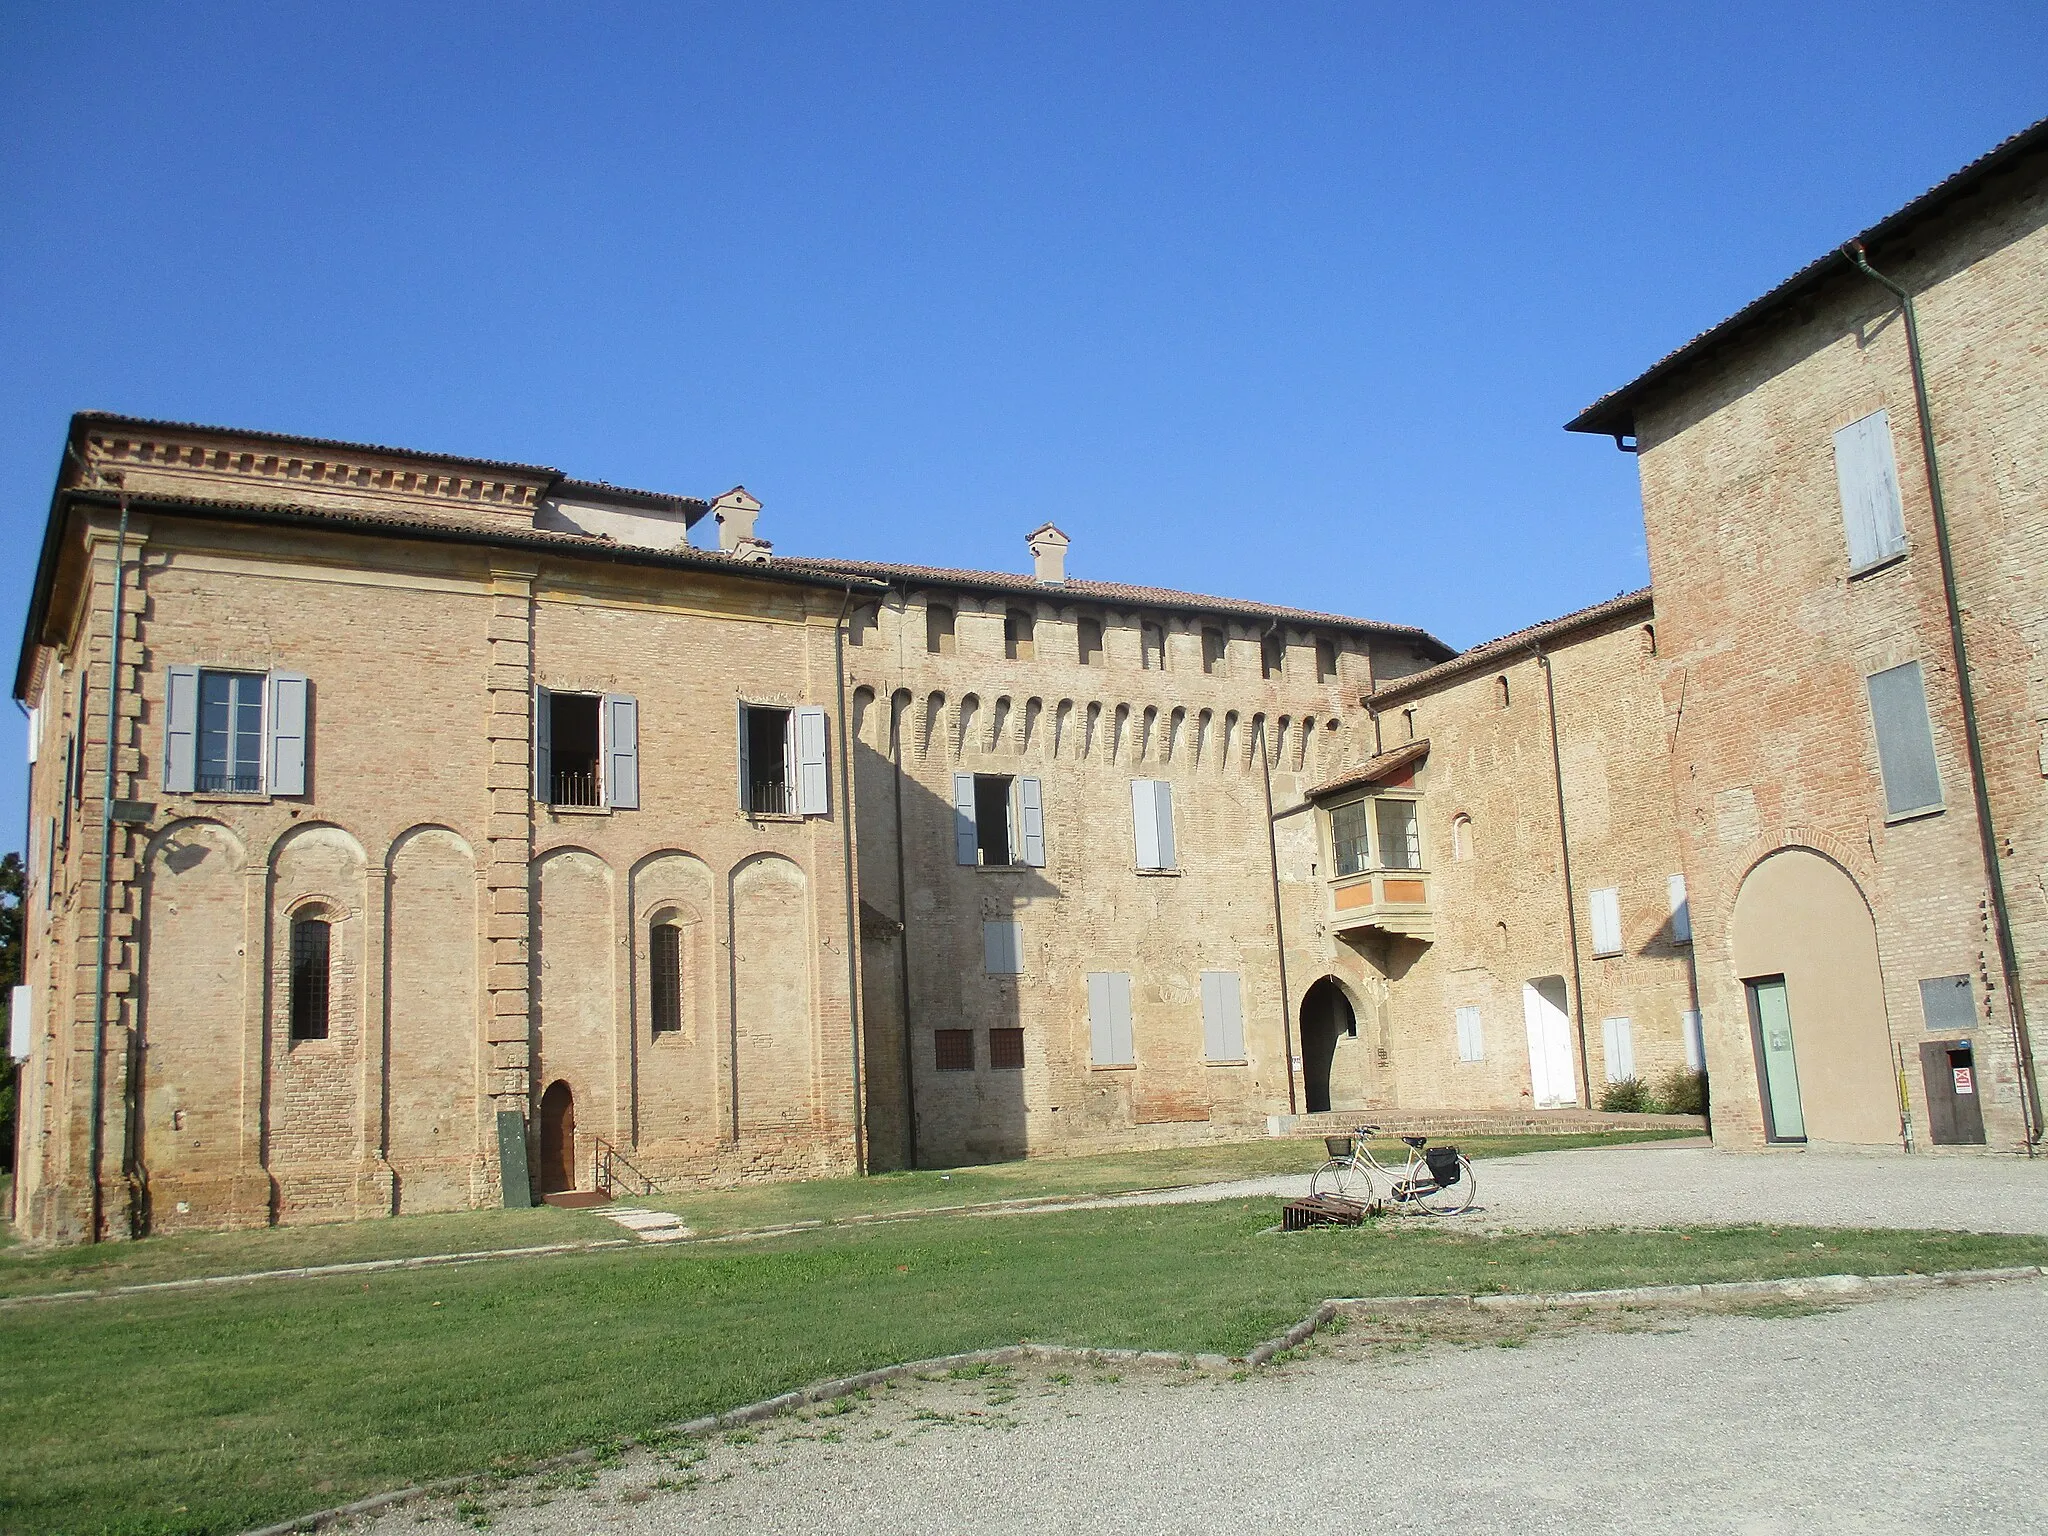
(1770, 1022)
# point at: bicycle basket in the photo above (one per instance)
(1339, 1146)
(1443, 1165)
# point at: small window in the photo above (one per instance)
(310, 940)
(953, 1050)
(1471, 1035)
(1153, 638)
(1946, 1006)
(1500, 690)
(571, 731)
(1272, 656)
(1349, 839)
(1089, 634)
(1461, 837)
(1408, 723)
(766, 744)
(1400, 835)
(1215, 648)
(1905, 741)
(865, 622)
(1618, 1037)
(1006, 1050)
(1867, 475)
(1606, 905)
(1018, 631)
(938, 629)
(1649, 639)
(1002, 947)
(1152, 823)
(1326, 661)
(665, 979)
(992, 817)
(231, 733)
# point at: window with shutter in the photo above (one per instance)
(621, 752)
(1867, 475)
(1681, 910)
(1471, 1035)
(286, 729)
(1109, 1019)
(1607, 921)
(1621, 1052)
(1031, 817)
(1152, 823)
(966, 842)
(1905, 741)
(1002, 947)
(768, 761)
(1222, 1016)
(181, 731)
(570, 728)
(813, 795)
(231, 732)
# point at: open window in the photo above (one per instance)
(998, 821)
(234, 733)
(586, 750)
(1019, 635)
(782, 761)
(1215, 648)
(1088, 638)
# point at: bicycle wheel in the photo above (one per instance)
(1438, 1200)
(1342, 1177)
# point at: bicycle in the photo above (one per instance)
(1436, 1180)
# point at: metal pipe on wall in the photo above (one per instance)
(860, 1153)
(96, 1146)
(1571, 901)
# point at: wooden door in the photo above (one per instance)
(557, 1138)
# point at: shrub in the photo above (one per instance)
(1682, 1091)
(1627, 1097)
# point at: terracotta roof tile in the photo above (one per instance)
(1374, 769)
(1480, 655)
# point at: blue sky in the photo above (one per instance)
(1285, 302)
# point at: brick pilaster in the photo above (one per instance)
(509, 693)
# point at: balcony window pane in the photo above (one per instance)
(1400, 839)
(1348, 833)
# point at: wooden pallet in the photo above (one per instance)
(1324, 1211)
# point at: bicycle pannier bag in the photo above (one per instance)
(1443, 1165)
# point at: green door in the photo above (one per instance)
(1771, 1025)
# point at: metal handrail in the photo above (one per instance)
(605, 1165)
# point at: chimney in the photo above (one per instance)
(1049, 554)
(735, 512)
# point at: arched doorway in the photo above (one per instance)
(1326, 1018)
(557, 1138)
(1805, 949)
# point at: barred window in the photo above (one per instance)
(665, 962)
(309, 978)
(953, 1050)
(1006, 1050)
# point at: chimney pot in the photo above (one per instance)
(735, 512)
(1048, 554)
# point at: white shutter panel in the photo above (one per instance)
(1162, 805)
(1471, 1034)
(20, 1015)
(285, 752)
(1212, 1017)
(965, 850)
(1121, 1041)
(1099, 1012)
(1607, 921)
(543, 748)
(1031, 811)
(621, 752)
(181, 730)
(35, 731)
(1867, 474)
(1695, 1046)
(1681, 911)
(813, 794)
(1617, 1034)
(1145, 823)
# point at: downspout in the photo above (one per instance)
(96, 1149)
(1571, 901)
(1987, 836)
(903, 916)
(860, 1153)
(1279, 923)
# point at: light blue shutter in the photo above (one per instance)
(1867, 475)
(285, 754)
(1109, 1018)
(1002, 947)
(964, 848)
(621, 752)
(1681, 910)
(1471, 1034)
(1120, 1037)
(746, 765)
(1098, 1018)
(1905, 740)
(543, 748)
(1607, 921)
(181, 730)
(1695, 1041)
(813, 792)
(1222, 1016)
(1145, 823)
(1031, 811)
(1162, 806)
(1621, 1051)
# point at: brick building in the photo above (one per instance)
(1850, 582)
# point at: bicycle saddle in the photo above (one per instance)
(1415, 1141)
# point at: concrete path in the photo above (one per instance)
(1669, 1185)
(1890, 1416)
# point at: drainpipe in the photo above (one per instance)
(860, 1151)
(1987, 836)
(903, 913)
(1571, 901)
(1279, 925)
(96, 1150)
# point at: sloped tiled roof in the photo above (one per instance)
(1627, 605)
(1374, 770)
(1110, 592)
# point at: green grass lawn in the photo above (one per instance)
(220, 1410)
(27, 1272)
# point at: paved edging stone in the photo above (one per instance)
(1259, 1355)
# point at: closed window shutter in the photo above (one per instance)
(813, 792)
(1121, 1039)
(1946, 1006)
(1621, 1051)
(285, 754)
(1145, 823)
(1222, 1016)
(543, 753)
(1607, 922)
(621, 752)
(964, 849)
(1099, 1018)
(1162, 804)
(181, 730)
(1695, 1043)
(20, 1020)
(1905, 740)
(1031, 811)
(1867, 475)
(1681, 911)
(1002, 947)
(1471, 1035)
(1109, 1018)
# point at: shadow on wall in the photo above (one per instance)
(951, 938)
